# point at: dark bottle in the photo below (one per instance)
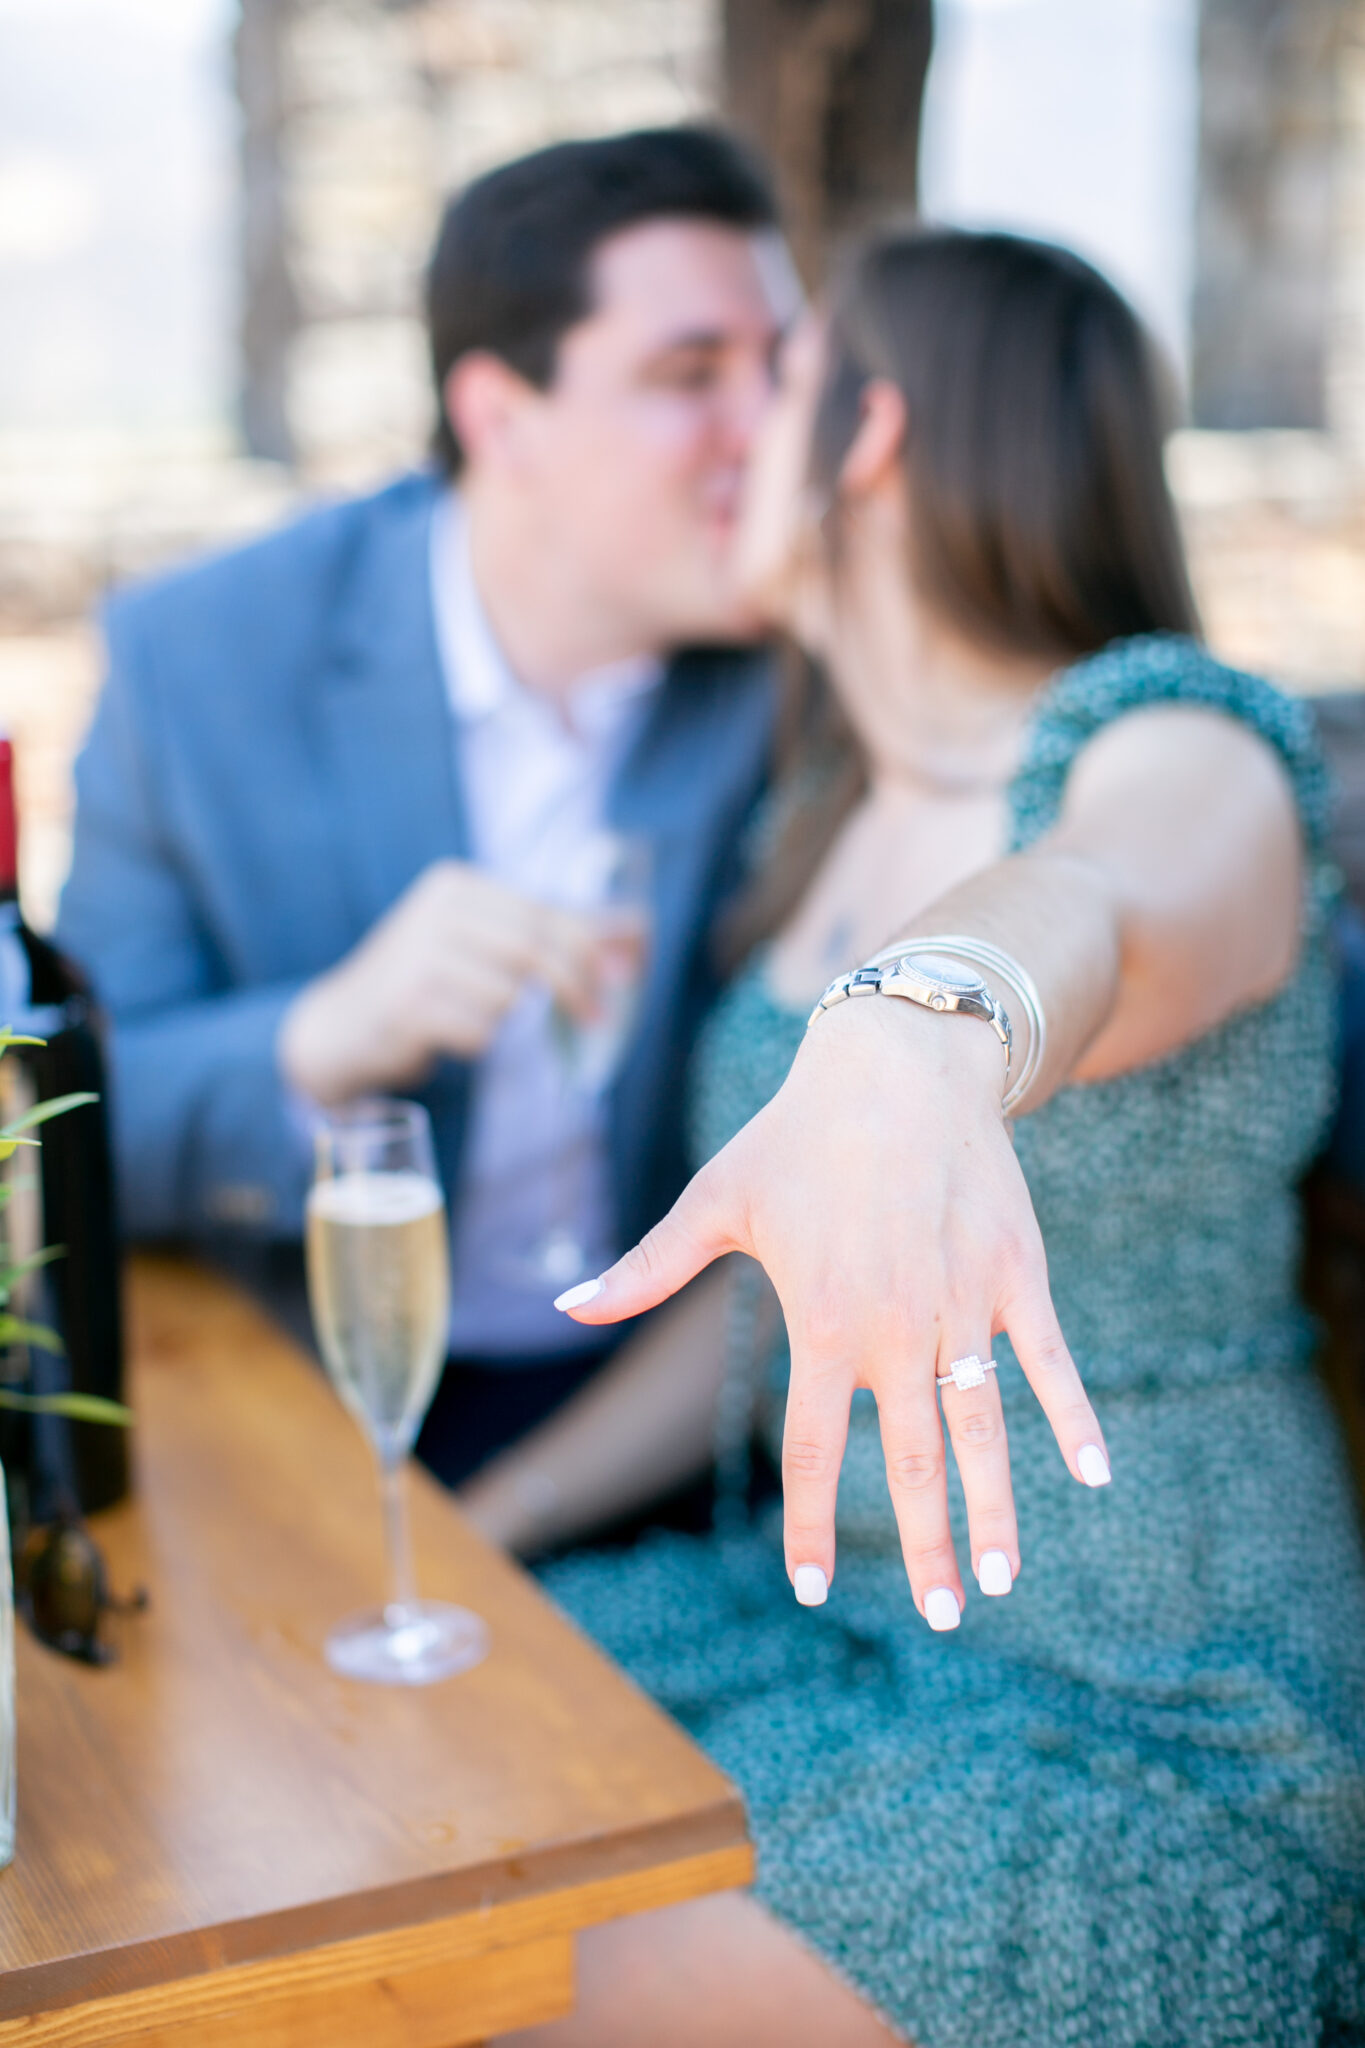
(61, 1195)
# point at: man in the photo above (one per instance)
(334, 776)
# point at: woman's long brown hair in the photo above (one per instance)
(1040, 520)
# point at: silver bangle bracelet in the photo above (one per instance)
(991, 960)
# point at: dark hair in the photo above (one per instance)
(511, 268)
(1040, 517)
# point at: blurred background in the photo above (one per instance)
(214, 216)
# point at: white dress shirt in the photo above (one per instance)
(535, 773)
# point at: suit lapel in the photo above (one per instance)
(389, 744)
(386, 728)
(653, 793)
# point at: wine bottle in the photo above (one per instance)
(62, 1195)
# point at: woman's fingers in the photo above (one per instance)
(916, 1473)
(696, 1230)
(976, 1424)
(1031, 1320)
(813, 1437)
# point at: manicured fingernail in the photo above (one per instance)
(941, 1610)
(578, 1297)
(810, 1585)
(993, 1574)
(1092, 1465)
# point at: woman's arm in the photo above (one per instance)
(879, 1187)
(644, 1424)
(1166, 897)
(1189, 820)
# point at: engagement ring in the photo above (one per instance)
(966, 1373)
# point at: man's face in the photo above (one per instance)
(634, 458)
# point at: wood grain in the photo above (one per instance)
(219, 1803)
(441, 2004)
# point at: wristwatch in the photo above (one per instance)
(929, 979)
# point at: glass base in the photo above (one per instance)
(413, 1645)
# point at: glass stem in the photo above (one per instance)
(562, 1213)
(402, 1591)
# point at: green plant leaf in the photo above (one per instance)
(11, 1275)
(13, 1330)
(56, 1105)
(80, 1407)
(9, 1038)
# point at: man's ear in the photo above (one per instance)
(879, 442)
(486, 401)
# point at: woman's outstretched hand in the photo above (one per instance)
(880, 1191)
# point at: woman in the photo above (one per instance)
(1124, 1800)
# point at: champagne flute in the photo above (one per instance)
(615, 875)
(379, 1287)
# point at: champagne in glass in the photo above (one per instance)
(379, 1286)
(379, 1275)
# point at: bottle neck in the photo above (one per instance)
(9, 827)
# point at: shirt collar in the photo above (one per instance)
(479, 681)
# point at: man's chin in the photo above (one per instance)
(732, 624)
(730, 613)
(749, 624)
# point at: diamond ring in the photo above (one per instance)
(966, 1373)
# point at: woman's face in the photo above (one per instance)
(779, 553)
(865, 615)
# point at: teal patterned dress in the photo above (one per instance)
(1124, 1807)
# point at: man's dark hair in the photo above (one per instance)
(511, 268)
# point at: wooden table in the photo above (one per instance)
(220, 1842)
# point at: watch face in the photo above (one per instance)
(940, 972)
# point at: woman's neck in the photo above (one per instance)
(939, 714)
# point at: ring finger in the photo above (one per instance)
(913, 1448)
(976, 1423)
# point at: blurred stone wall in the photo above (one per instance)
(1278, 318)
(1345, 397)
(359, 118)
(1275, 527)
(1274, 504)
(1270, 117)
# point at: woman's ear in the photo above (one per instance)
(878, 444)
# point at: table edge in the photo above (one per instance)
(441, 1895)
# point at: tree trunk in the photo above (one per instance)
(831, 91)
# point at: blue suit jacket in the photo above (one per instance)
(273, 761)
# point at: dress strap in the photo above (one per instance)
(1159, 668)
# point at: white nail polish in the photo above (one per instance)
(578, 1297)
(810, 1585)
(1092, 1465)
(993, 1574)
(941, 1610)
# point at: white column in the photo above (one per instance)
(1074, 120)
